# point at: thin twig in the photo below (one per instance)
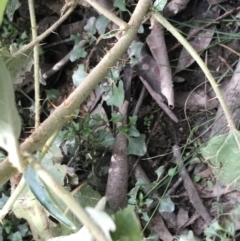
(46, 33)
(190, 189)
(36, 63)
(111, 16)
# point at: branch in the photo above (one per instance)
(61, 114)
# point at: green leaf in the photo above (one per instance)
(213, 229)
(76, 38)
(12, 6)
(52, 94)
(128, 227)
(3, 5)
(77, 52)
(160, 171)
(118, 95)
(187, 237)
(159, 5)
(133, 132)
(105, 138)
(133, 120)
(10, 122)
(121, 4)
(172, 171)
(110, 34)
(116, 117)
(18, 66)
(79, 75)
(134, 52)
(3, 200)
(136, 146)
(101, 24)
(223, 156)
(236, 210)
(166, 205)
(90, 26)
(45, 197)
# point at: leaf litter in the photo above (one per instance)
(149, 65)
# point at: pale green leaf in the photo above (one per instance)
(101, 24)
(136, 146)
(128, 227)
(10, 122)
(18, 66)
(133, 132)
(160, 171)
(159, 5)
(223, 156)
(45, 197)
(121, 4)
(110, 34)
(3, 5)
(166, 205)
(187, 237)
(118, 95)
(77, 53)
(90, 26)
(79, 75)
(12, 6)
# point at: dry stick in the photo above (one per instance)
(201, 64)
(197, 31)
(36, 63)
(46, 33)
(159, 101)
(190, 189)
(117, 184)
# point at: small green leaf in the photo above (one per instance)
(3, 5)
(213, 229)
(110, 34)
(172, 171)
(3, 200)
(121, 4)
(159, 5)
(90, 26)
(116, 117)
(166, 205)
(160, 171)
(76, 38)
(79, 75)
(77, 52)
(105, 138)
(101, 24)
(52, 94)
(133, 132)
(128, 228)
(10, 122)
(45, 197)
(12, 6)
(187, 237)
(134, 52)
(123, 129)
(136, 146)
(133, 120)
(223, 155)
(236, 210)
(118, 95)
